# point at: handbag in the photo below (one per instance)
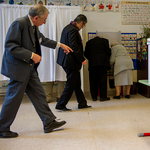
(111, 82)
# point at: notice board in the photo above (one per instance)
(135, 13)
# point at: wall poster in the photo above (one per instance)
(135, 13)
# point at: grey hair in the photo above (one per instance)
(81, 18)
(38, 10)
(114, 43)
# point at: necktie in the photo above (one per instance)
(33, 28)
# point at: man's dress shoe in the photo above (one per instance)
(81, 107)
(53, 125)
(8, 134)
(105, 99)
(63, 108)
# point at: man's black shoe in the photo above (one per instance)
(63, 108)
(8, 134)
(81, 107)
(105, 99)
(53, 125)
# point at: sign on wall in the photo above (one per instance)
(135, 13)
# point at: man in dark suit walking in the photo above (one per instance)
(98, 53)
(20, 61)
(72, 63)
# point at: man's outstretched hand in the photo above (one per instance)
(66, 48)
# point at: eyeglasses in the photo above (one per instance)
(83, 25)
(44, 20)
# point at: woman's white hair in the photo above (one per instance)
(114, 43)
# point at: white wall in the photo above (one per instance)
(108, 22)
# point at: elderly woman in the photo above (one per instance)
(123, 67)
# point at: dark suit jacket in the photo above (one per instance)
(98, 53)
(71, 38)
(19, 45)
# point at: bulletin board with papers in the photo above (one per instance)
(135, 13)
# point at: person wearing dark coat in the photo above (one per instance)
(98, 53)
(72, 63)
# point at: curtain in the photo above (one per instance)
(58, 18)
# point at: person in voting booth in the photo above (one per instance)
(72, 63)
(123, 67)
(98, 53)
(21, 58)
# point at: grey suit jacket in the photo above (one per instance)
(19, 45)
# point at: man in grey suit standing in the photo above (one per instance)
(20, 61)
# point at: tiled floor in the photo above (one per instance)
(109, 125)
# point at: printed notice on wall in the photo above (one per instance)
(135, 13)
